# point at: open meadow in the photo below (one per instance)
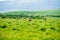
(35, 29)
(30, 25)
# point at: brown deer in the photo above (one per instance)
(30, 19)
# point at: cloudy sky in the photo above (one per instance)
(6, 5)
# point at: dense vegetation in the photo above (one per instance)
(36, 29)
(30, 14)
(30, 26)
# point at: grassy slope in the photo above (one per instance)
(37, 29)
(50, 12)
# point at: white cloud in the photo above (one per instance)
(25, 1)
(2, 0)
(22, 1)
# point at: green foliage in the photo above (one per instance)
(4, 26)
(30, 25)
(30, 14)
(23, 29)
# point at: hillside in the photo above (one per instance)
(50, 12)
(30, 14)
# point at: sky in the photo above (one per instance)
(6, 5)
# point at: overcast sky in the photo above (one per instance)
(6, 5)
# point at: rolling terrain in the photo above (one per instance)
(30, 25)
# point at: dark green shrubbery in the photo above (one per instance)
(4, 26)
(22, 15)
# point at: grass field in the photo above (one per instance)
(46, 12)
(36, 29)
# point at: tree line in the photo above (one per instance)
(27, 16)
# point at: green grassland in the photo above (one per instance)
(43, 28)
(49, 12)
(36, 29)
(30, 14)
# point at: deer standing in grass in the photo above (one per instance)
(30, 19)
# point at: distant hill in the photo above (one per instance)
(49, 12)
(30, 14)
